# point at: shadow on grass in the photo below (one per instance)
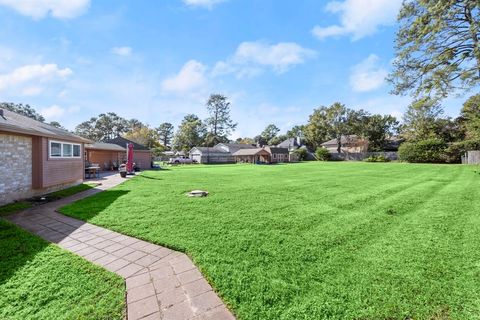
(17, 248)
(150, 177)
(87, 208)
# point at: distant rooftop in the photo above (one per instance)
(122, 142)
(105, 146)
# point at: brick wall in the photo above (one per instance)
(15, 167)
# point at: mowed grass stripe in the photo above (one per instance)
(314, 240)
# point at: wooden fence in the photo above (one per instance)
(472, 157)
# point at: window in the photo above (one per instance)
(76, 150)
(64, 150)
(55, 149)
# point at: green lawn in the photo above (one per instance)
(315, 240)
(41, 281)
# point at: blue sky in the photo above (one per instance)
(159, 60)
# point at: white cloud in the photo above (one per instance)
(53, 112)
(202, 3)
(122, 51)
(29, 77)
(37, 9)
(368, 75)
(190, 77)
(359, 18)
(251, 58)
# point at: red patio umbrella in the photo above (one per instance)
(129, 157)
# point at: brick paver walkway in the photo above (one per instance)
(161, 283)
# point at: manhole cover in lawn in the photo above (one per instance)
(197, 193)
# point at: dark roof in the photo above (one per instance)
(122, 142)
(277, 150)
(17, 123)
(249, 152)
(344, 140)
(290, 142)
(105, 146)
(393, 143)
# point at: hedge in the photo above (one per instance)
(425, 151)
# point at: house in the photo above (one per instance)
(220, 153)
(142, 156)
(233, 147)
(36, 158)
(349, 144)
(108, 155)
(291, 144)
(210, 155)
(253, 155)
(237, 152)
(278, 155)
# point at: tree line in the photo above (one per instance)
(423, 120)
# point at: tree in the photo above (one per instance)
(450, 130)
(437, 47)
(23, 109)
(57, 124)
(296, 131)
(143, 135)
(165, 133)
(316, 131)
(219, 123)
(105, 126)
(87, 130)
(133, 124)
(420, 120)
(259, 140)
(245, 140)
(277, 139)
(377, 129)
(332, 123)
(269, 133)
(470, 116)
(190, 133)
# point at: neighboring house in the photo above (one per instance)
(142, 156)
(349, 144)
(233, 147)
(254, 155)
(220, 153)
(278, 155)
(107, 155)
(36, 158)
(291, 144)
(236, 152)
(211, 155)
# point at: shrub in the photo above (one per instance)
(425, 151)
(301, 153)
(456, 150)
(374, 158)
(322, 154)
